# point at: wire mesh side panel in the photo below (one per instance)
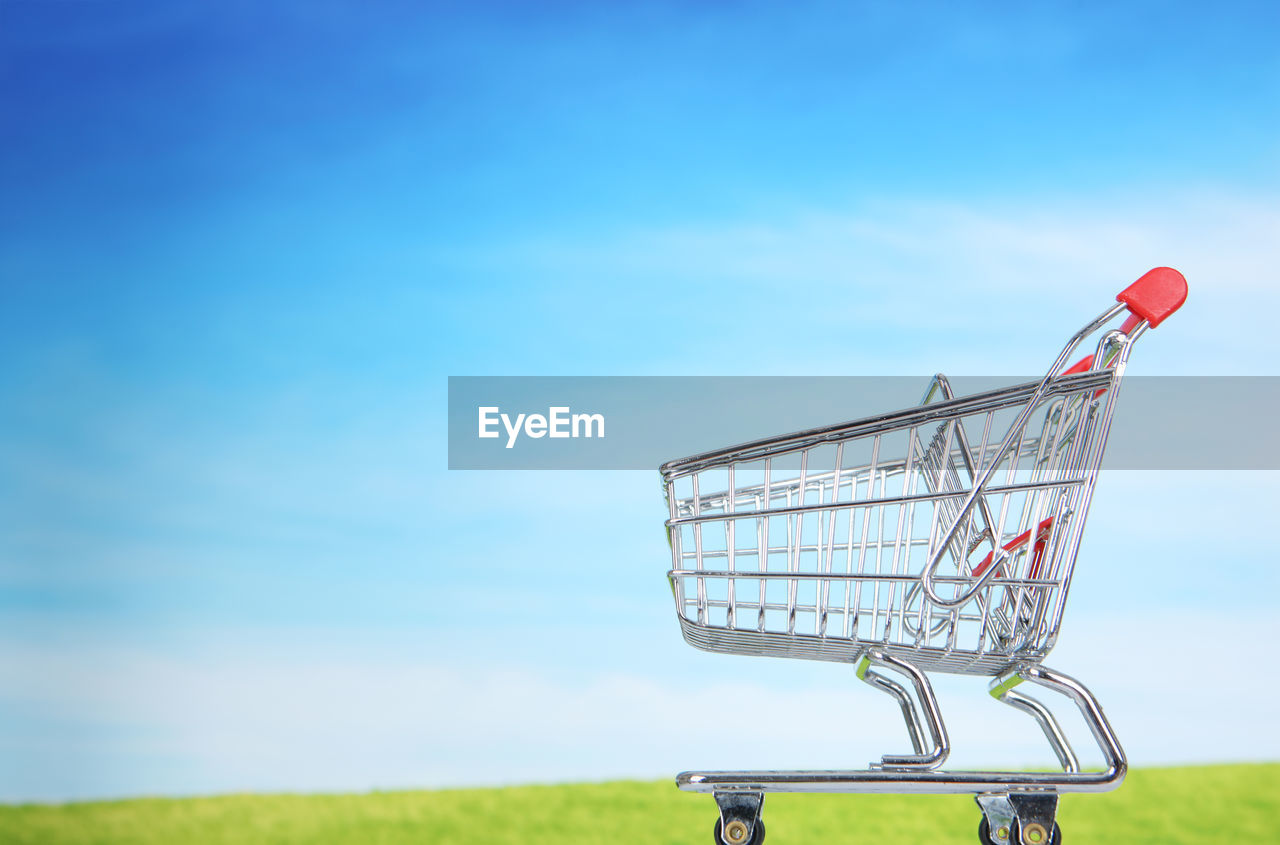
(817, 549)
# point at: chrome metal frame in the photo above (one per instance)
(860, 543)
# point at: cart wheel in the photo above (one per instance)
(1036, 834)
(756, 839)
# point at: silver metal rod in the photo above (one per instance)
(910, 781)
(1048, 724)
(1016, 431)
(886, 500)
(909, 714)
(941, 747)
(1012, 396)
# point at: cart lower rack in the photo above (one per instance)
(940, 538)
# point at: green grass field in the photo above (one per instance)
(1167, 806)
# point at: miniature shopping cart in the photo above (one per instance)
(940, 538)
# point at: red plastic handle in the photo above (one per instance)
(1156, 295)
(1042, 537)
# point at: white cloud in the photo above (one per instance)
(909, 286)
(989, 245)
(235, 720)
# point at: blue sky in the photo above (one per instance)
(242, 247)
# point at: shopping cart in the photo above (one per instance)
(939, 538)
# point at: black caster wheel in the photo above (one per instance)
(1035, 834)
(757, 838)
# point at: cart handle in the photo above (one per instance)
(1152, 298)
(1156, 295)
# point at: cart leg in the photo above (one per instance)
(941, 746)
(1048, 723)
(1090, 709)
(909, 714)
(739, 822)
